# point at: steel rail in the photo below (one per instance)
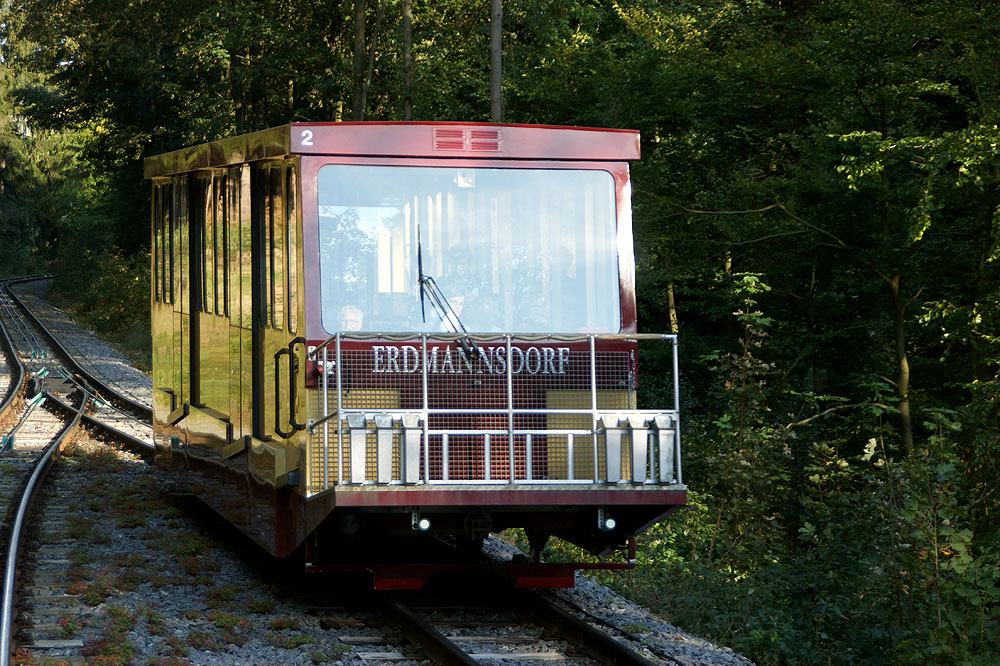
(98, 384)
(440, 649)
(432, 642)
(42, 466)
(18, 326)
(131, 442)
(16, 370)
(658, 652)
(596, 643)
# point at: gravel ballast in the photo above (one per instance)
(191, 598)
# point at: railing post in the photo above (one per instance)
(487, 457)
(510, 410)
(527, 457)
(424, 416)
(570, 462)
(340, 415)
(593, 408)
(677, 410)
(326, 423)
(445, 476)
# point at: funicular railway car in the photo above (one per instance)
(374, 338)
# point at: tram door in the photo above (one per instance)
(277, 348)
(170, 308)
(162, 308)
(216, 313)
(240, 300)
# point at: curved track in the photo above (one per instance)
(491, 624)
(46, 392)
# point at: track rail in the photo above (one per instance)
(142, 410)
(530, 609)
(595, 642)
(16, 539)
(89, 390)
(15, 383)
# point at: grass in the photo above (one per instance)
(156, 623)
(261, 606)
(68, 626)
(219, 596)
(112, 648)
(290, 642)
(283, 624)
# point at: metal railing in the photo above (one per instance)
(423, 409)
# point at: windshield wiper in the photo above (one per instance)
(445, 312)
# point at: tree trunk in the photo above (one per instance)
(371, 59)
(672, 309)
(236, 90)
(407, 59)
(496, 23)
(902, 364)
(359, 59)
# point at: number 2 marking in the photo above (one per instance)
(307, 137)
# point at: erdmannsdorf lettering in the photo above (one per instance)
(453, 360)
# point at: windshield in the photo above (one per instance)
(510, 250)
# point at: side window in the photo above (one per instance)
(204, 228)
(278, 225)
(157, 243)
(245, 243)
(233, 246)
(221, 274)
(180, 268)
(291, 233)
(168, 242)
(266, 247)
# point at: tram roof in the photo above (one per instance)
(404, 139)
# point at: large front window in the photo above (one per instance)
(512, 250)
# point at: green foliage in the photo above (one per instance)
(261, 606)
(221, 595)
(818, 203)
(156, 623)
(67, 625)
(290, 641)
(112, 648)
(283, 624)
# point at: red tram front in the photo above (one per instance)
(372, 337)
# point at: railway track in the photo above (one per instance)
(46, 396)
(111, 546)
(501, 625)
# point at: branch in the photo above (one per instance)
(837, 242)
(830, 410)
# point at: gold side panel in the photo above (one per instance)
(267, 462)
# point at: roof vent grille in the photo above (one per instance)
(484, 140)
(467, 140)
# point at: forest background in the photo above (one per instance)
(816, 214)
